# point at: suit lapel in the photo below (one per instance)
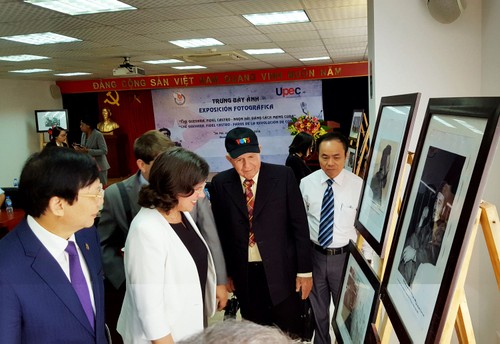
(84, 241)
(265, 187)
(51, 273)
(234, 190)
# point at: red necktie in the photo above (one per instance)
(250, 201)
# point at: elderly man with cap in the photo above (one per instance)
(263, 229)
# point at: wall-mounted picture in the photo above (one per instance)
(385, 164)
(46, 119)
(441, 200)
(357, 117)
(358, 300)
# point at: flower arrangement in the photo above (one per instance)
(308, 124)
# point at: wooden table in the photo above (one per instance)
(9, 221)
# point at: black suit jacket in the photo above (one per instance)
(279, 223)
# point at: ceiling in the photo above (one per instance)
(338, 29)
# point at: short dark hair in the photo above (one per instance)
(89, 120)
(60, 172)
(333, 136)
(175, 172)
(301, 143)
(150, 144)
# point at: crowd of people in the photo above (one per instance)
(163, 257)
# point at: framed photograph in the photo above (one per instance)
(357, 117)
(453, 155)
(358, 300)
(46, 119)
(351, 159)
(385, 166)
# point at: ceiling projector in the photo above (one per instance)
(126, 69)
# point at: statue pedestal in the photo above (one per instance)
(117, 155)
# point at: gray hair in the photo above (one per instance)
(244, 332)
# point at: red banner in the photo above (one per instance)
(343, 70)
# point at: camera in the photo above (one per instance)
(231, 308)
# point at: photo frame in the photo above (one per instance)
(350, 162)
(390, 142)
(358, 300)
(454, 152)
(357, 118)
(46, 119)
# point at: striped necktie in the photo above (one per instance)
(325, 235)
(250, 201)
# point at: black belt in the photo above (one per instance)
(331, 251)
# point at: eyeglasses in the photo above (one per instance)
(99, 195)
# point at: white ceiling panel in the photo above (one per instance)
(338, 29)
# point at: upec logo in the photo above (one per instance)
(242, 141)
(288, 91)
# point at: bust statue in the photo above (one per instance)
(107, 125)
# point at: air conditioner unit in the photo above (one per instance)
(128, 71)
(215, 57)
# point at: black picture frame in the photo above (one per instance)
(358, 300)
(46, 119)
(455, 149)
(389, 150)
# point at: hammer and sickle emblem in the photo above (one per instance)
(114, 100)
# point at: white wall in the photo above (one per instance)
(414, 53)
(18, 133)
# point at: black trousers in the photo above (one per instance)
(113, 303)
(258, 307)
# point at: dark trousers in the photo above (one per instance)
(258, 307)
(113, 303)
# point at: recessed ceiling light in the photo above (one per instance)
(41, 38)
(315, 58)
(197, 42)
(277, 18)
(33, 70)
(17, 58)
(189, 67)
(264, 51)
(73, 74)
(76, 7)
(163, 61)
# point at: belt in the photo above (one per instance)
(331, 251)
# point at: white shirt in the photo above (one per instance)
(346, 190)
(56, 247)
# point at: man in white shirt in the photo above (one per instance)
(51, 277)
(330, 245)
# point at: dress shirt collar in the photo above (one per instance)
(339, 179)
(53, 243)
(255, 179)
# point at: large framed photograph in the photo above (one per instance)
(358, 300)
(453, 155)
(46, 119)
(385, 165)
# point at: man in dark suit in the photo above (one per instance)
(51, 277)
(263, 229)
(115, 221)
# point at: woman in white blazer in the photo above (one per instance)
(170, 275)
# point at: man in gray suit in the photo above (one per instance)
(120, 207)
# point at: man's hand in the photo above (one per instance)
(305, 284)
(221, 295)
(230, 285)
(409, 253)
